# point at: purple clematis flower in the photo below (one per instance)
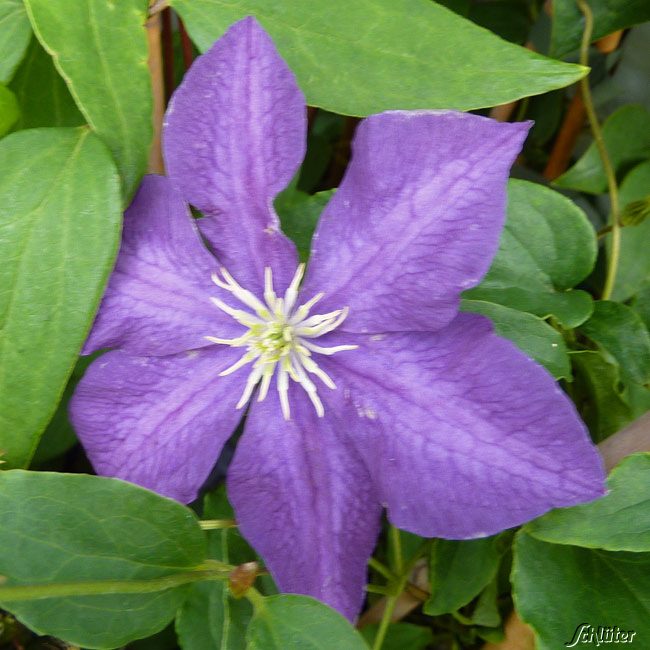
(366, 388)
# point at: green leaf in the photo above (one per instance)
(547, 247)
(619, 331)
(8, 110)
(401, 636)
(529, 333)
(367, 56)
(59, 232)
(602, 398)
(627, 138)
(43, 97)
(211, 617)
(619, 521)
(460, 570)
(609, 16)
(290, 622)
(14, 36)
(66, 528)
(559, 588)
(634, 262)
(641, 305)
(299, 213)
(100, 49)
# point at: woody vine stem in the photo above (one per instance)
(612, 265)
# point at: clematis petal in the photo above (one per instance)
(159, 422)
(158, 297)
(304, 500)
(465, 435)
(234, 136)
(416, 219)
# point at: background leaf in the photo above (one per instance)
(547, 247)
(367, 56)
(290, 622)
(619, 521)
(627, 138)
(8, 109)
(609, 16)
(15, 31)
(557, 588)
(401, 636)
(59, 231)
(104, 62)
(619, 331)
(87, 528)
(43, 97)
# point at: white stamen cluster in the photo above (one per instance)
(279, 336)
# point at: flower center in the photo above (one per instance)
(279, 336)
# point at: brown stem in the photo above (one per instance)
(609, 43)
(186, 45)
(565, 142)
(168, 52)
(156, 164)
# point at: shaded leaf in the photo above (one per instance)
(367, 56)
(531, 334)
(59, 232)
(609, 16)
(8, 110)
(15, 31)
(87, 528)
(42, 94)
(547, 247)
(400, 636)
(100, 49)
(619, 521)
(618, 330)
(627, 138)
(559, 588)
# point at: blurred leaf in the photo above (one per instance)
(363, 57)
(8, 110)
(547, 247)
(299, 213)
(619, 331)
(81, 528)
(101, 51)
(636, 212)
(634, 262)
(558, 589)
(14, 36)
(42, 94)
(59, 232)
(529, 333)
(509, 19)
(211, 617)
(619, 521)
(603, 400)
(459, 571)
(609, 16)
(627, 138)
(641, 305)
(400, 636)
(290, 622)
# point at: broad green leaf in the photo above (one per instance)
(558, 589)
(619, 330)
(14, 36)
(367, 56)
(67, 528)
(43, 97)
(401, 636)
(460, 570)
(59, 232)
(211, 617)
(529, 333)
(634, 262)
(290, 622)
(619, 521)
(8, 110)
(100, 49)
(602, 397)
(627, 138)
(299, 213)
(641, 305)
(547, 247)
(609, 16)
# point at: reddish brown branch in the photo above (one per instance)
(186, 45)
(565, 141)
